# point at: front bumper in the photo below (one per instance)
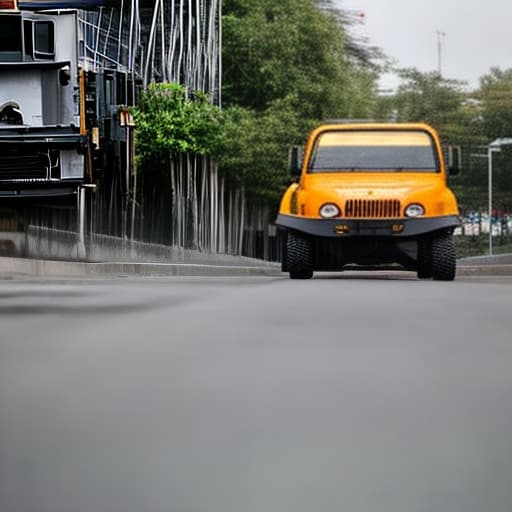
(341, 228)
(19, 191)
(44, 161)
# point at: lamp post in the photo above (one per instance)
(440, 36)
(493, 147)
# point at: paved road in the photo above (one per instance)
(356, 394)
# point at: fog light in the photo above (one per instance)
(329, 211)
(341, 229)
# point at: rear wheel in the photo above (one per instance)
(299, 256)
(443, 257)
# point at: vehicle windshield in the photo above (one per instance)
(374, 151)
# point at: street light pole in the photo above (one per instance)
(440, 35)
(490, 151)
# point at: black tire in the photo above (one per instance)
(299, 257)
(443, 257)
(424, 265)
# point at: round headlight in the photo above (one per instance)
(414, 210)
(329, 211)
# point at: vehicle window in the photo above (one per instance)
(379, 151)
(43, 40)
(10, 34)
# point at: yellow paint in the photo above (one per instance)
(426, 188)
(374, 138)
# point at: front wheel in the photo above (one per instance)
(443, 257)
(299, 256)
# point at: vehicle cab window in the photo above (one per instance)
(10, 38)
(39, 37)
(374, 151)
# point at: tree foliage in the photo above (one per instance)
(171, 121)
(357, 48)
(495, 96)
(429, 98)
(255, 147)
(286, 68)
(274, 50)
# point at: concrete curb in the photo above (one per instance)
(497, 259)
(484, 270)
(20, 267)
(496, 265)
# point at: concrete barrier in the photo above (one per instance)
(21, 267)
(484, 270)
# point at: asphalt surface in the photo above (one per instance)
(353, 392)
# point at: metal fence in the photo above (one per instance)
(160, 41)
(484, 192)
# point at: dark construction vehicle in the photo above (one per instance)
(64, 106)
(370, 195)
(43, 143)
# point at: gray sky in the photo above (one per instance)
(478, 35)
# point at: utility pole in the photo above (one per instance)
(440, 35)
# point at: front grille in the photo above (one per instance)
(23, 164)
(372, 208)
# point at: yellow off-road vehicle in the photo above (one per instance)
(370, 195)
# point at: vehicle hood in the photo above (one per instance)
(357, 186)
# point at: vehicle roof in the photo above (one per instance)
(343, 125)
(368, 126)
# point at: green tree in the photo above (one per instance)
(290, 48)
(495, 95)
(495, 103)
(254, 147)
(169, 120)
(430, 98)
(286, 68)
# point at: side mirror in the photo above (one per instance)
(295, 161)
(64, 76)
(454, 160)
